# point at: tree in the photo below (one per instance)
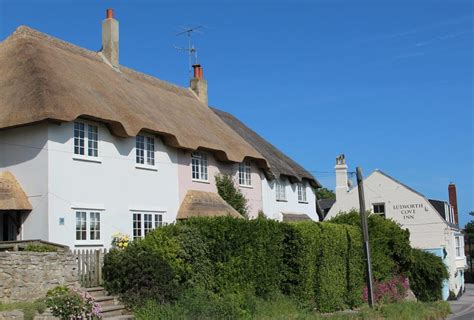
(228, 191)
(469, 227)
(324, 193)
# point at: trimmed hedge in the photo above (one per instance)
(320, 264)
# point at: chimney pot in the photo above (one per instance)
(198, 74)
(109, 13)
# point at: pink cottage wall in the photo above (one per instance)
(253, 193)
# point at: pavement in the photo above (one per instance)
(463, 309)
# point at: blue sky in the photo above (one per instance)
(387, 83)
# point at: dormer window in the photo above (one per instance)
(81, 140)
(280, 190)
(199, 166)
(145, 150)
(302, 193)
(244, 174)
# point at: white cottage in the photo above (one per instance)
(432, 223)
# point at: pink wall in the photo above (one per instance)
(253, 193)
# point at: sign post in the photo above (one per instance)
(365, 231)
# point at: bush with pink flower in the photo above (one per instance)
(72, 303)
(393, 290)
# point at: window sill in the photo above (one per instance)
(303, 202)
(146, 167)
(201, 181)
(78, 157)
(281, 200)
(245, 186)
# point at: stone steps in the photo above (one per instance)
(111, 308)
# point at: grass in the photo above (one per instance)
(201, 304)
(29, 309)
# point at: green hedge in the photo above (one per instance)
(320, 264)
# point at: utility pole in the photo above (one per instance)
(365, 231)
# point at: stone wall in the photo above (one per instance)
(26, 276)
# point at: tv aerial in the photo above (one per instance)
(191, 49)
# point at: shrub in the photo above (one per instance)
(427, 274)
(231, 194)
(159, 266)
(66, 303)
(390, 291)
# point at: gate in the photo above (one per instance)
(89, 266)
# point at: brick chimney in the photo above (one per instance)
(453, 201)
(341, 177)
(198, 84)
(110, 38)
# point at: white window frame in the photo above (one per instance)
(280, 190)
(245, 174)
(199, 167)
(144, 222)
(92, 218)
(145, 151)
(85, 140)
(458, 246)
(302, 196)
(384, 214)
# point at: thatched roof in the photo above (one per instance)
(205, 204)
(295, 217)
(279, 163)
(12, 196)
(43, 78)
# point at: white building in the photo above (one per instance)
(98, 148)
(432, 223)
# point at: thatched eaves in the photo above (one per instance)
(43, 78)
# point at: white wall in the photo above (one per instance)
(115, 186)
(23, 152)
(273, 209)
(428, 230)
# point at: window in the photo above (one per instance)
(145, 150)
(379, 208)
(458, 246)
(244, 174)
(87, 225)
(80, 139)
(199, 166)
(280, 191)
(143, 223)
(302, 192)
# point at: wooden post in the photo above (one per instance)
(97, 267)
(365, 231)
